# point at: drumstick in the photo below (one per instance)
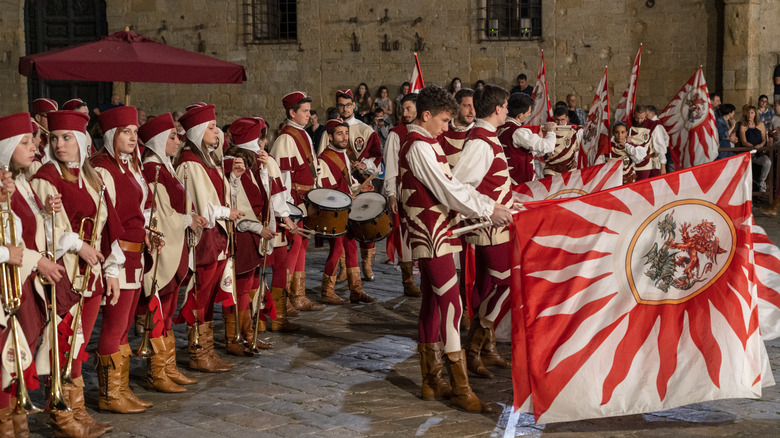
(364, 184)
(301, 229)
(467, 228)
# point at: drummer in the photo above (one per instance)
(337, 174)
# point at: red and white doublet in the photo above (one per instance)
(629, 154)
(452, 141)
(522, 145)
(364, 143)
(484, 167)
(431, 200)
(392, 147)
(337, 174)
(652, 137)
(567, 145)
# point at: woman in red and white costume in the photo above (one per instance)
(68, 173)
(199, 164)
(173, 262)
(17, 151)
(118, 163)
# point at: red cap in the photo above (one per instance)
(263, 125)
(119, 116)
(195, 105)
(330, 126)
(195, 116)
(245, 129)
(68, 121)
(155, 126)
(291, 99)
(72, 104)
(345, 93)
(44, 105)
(15, 124)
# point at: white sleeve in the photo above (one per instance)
(392, 148)
(637, 154)
(67, 242)
(286, 177)
(4, 254)
(114, 262)
(186, 220)
(216, 212)
(455, 195)
(474, 162)
(538, 146)
(371, 168)
(660, 142)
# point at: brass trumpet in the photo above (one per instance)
(261, 293)
(11, 281)
(237, 337)
(192, 243)
(146, 350)
(80, 283)
(56, 400)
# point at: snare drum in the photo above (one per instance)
(296, 213)
(327, 212)
(369, 220)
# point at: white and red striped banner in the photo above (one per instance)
(416, 83)
(625, 107)
(542, 110)
(596, 135)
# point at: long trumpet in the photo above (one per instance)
(192, 243)
(56, 401)
(237, 337)
(11, 280)
(146, 350)
(261, 293)
(80, 283)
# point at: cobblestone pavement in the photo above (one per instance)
(353, 371)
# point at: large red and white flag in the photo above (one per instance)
(768, 282)
(542, 110)
(572, 184)
(690, 122)
(639, 298)
(625, 107)
(596, 135)
(416, 83)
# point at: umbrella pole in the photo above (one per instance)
(127, 93)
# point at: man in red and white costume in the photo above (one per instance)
(483, 165)
(392, 147)
(431, 200)
(650, 135)
(41, 107)
(297, 160)
(452, 139)
(337, 174)
(567, 144)
(523, 145)
(365, 152)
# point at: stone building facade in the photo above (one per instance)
(340, 44)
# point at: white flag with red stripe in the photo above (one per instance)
(768, 282)
(416, 83)
(625, 107)
(690, 122)
(542, 110)
(639, 298)
(596, 135)
(572, 184)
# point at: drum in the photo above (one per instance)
(369, 220)
(327, 212)
(296, 213)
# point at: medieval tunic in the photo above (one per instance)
(629, 154)
(521, 146)
(567, 145)
(393, 144)
(452, 141)
(651, 136)
(364, 145)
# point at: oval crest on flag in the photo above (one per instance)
(679, 251)
(567, 193)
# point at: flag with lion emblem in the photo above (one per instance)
(638, 298)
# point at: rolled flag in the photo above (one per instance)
(542, 110)
(625, 107)
(416, 83)
(595, 140)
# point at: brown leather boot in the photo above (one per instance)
(248, 331)
(170, 362)
(109, 371)
(7, 422)
(462, 396)
(328, 295)
(281, 323)
(75, 396)
(65, 423)
(292, 312)
(234, 348)
(200, 359)
(490, 355)
(475, 338)
(155, 369)
(434, 387)
(210, 350)
(407, 274)
(342, 277)
(356, 294)
(771, 209)
(298, 294)
(367, 261)
(19, 423)
(127, 393)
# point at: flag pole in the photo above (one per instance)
(417, 62)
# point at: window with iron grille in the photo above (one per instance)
(272, 21)
(505, 20)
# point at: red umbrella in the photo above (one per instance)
(128, 57)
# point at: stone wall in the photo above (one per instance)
(580, 38)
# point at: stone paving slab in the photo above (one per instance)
(353, 371)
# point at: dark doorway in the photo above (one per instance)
(53, 24)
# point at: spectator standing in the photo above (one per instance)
(455, 86)
(381, 127)
(383, 101)
(480, 84)
(522, 85)
(725, 122)
(765, 112)
(111, 104)
(397, 109)
(315, 129)
(571, 101)
(715, 101)
(363, 101)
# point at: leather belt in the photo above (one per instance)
(302, 187)
(132, 246)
